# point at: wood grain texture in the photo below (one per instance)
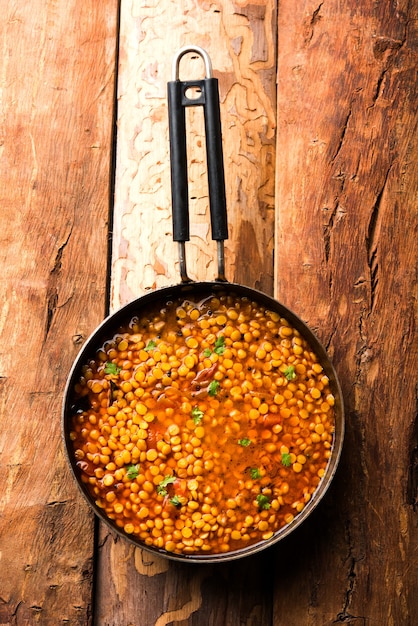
(134, 587)
(240, 40)
(138, 588)
(346, 262)
(57, 76)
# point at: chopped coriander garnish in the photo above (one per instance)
(175, 501)
(112, 368)
(290, 372)
(245, 442)
(132, 471)
(161, 487)
(263, 501)
(197, 415)
(207, 352)
(255, 473)
(150, 345)
(286, 459)
(213, 388)
(220, 345)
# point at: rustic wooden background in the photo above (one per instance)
(318, 104)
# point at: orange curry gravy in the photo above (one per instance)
(203, 427)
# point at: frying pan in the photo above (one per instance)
(205, 95)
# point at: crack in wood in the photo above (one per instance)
(327, 232)
(378, 88)
(348, 618)
(330, 339)
(50, 309)
(342, 134)
(344, 616)
(337, 212)
(372, 242)
(384, 49)
(412, 480)
(362, 352)
(52, 292)
(16, 610)
(310, 28)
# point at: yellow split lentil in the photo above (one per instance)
(203, 427)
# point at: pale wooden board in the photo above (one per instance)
(240, 42)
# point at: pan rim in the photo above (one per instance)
(93, 342)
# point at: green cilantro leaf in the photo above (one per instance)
(286, 459)
(255, 473)
(213, 388)
(290, 372)
(263, 501)
(150, 345)
(112, 368)
(197, 415)
(244, 442)
(132, 471)
(220, 345)
(161, 487)
(207, 352)
(175, 501)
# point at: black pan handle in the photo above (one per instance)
(177, 103)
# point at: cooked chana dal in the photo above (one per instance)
(203, 427)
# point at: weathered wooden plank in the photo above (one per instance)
(144, 589)
(57, 75)
(346, 262)
(240, 41)
(240, 38)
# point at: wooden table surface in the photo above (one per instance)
(318, 105)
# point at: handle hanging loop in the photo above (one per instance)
(185, 50)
